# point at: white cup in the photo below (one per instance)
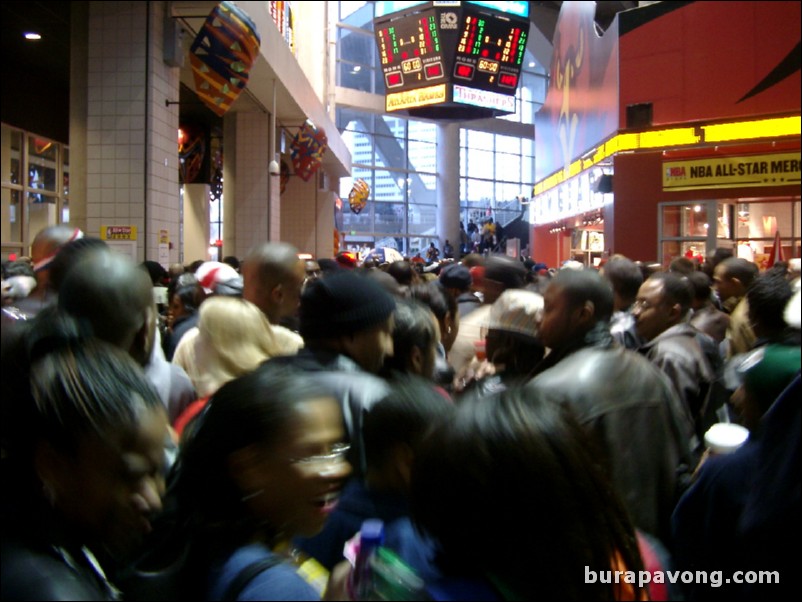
(725, 438)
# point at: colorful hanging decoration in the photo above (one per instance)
(358, 197)
(222, 55)
(307, 148)
(191, 152)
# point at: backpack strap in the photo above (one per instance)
(247, 574)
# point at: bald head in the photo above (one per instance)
(44, 248)
(272, 278)
(115, 296)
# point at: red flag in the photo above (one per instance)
(777, 251)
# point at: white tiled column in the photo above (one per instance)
(131, 134)
(247, 183)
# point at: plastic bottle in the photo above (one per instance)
(370, 538)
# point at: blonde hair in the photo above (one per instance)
(234, 337)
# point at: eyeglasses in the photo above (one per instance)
(337, 454)
(643, 305)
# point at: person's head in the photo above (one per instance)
(513, 343)
(185, 301)
(455, 279)
(626, 277)
(763, 374)
(89, 439)
(234, 337)
(444, 307)
(211, 274)
(415, 337)
(394, 427)
(69, 255)
(273, 276)
(175, 270)
(233, 261)
(158, 275)
(312, 270)
(112, 294)
(403, 272)
(702, 289)
(384, 280)
(266, 459)
(733, 276)
(347, 259)
(19, 280)
(45, 247)
(719, 255)
(501, 273)
(516, 474)
(573, 303)
(663, 301)
(328, 265)
(767, 296)
(351, 314)
(682, 266)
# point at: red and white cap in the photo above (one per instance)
(211, 273)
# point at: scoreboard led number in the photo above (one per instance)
(410, 51)
(490, 52)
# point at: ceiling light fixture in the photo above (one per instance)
(32, 36)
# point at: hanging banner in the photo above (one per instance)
(780, 169)
(307, 150)
(358, 197)
(222, 55)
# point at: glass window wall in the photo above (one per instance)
(35, 169)
(397, 157)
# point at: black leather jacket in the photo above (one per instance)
(41, 562)
(638, 422)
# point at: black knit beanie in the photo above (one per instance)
(343, 302)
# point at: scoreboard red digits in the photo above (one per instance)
(394, 79)
(463, 71)
(508, 80)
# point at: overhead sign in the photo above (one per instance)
(415, 98)
(781, 169)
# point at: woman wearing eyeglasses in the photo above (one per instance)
(265, 462)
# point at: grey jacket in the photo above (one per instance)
(638, 424)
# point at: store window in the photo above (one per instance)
(748, 226)
(758, 221)
(35, 188)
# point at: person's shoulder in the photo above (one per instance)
(278, 581)
(289, 342)
(31, 574)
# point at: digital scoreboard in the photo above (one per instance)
(410, 51)
(452, 60)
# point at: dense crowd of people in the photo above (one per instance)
(222, 430)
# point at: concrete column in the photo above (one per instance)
(448, 216)
(247, 190)
(79, 57)
(196, 222)
(131, 133)
(307, 215)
